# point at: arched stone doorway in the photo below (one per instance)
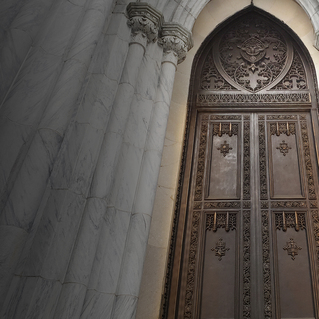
(250, 178)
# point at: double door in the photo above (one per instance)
(251, 239)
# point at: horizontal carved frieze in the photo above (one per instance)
(212, 99)
(289, 204)
(221, 205)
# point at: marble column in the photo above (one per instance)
(20, 23)
(176, 41)
(74, 289)
(19, 118)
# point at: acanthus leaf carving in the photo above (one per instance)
(144, 20)
(175, 39)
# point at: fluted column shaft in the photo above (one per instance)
(175, 48)
(78, 274)
(24, 161)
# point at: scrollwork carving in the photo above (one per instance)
(246, 204)
(295, 79)
(315, 224)
(197, 205)
(246, 264)
(190, 282)
(281, 117)
(288, 204)
(266, 265)
(213, 205)
(246, 181)
(225, 117)
(211, 78)
(201, 160)
(307, 156)
(262, 161)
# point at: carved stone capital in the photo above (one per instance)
(144, 20)
(175, 39)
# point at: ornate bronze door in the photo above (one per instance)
(252, 230)
(245, 238)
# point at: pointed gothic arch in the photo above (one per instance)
(221, 89)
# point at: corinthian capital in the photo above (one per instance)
(144, 20)
(176, 39)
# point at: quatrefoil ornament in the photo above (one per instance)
(284, 148)
(224, 148)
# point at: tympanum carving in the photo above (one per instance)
(253, 53)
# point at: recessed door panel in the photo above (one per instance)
(239, 230)
(224, 171)
(293, 268)
(284, 163)
(219, 266)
